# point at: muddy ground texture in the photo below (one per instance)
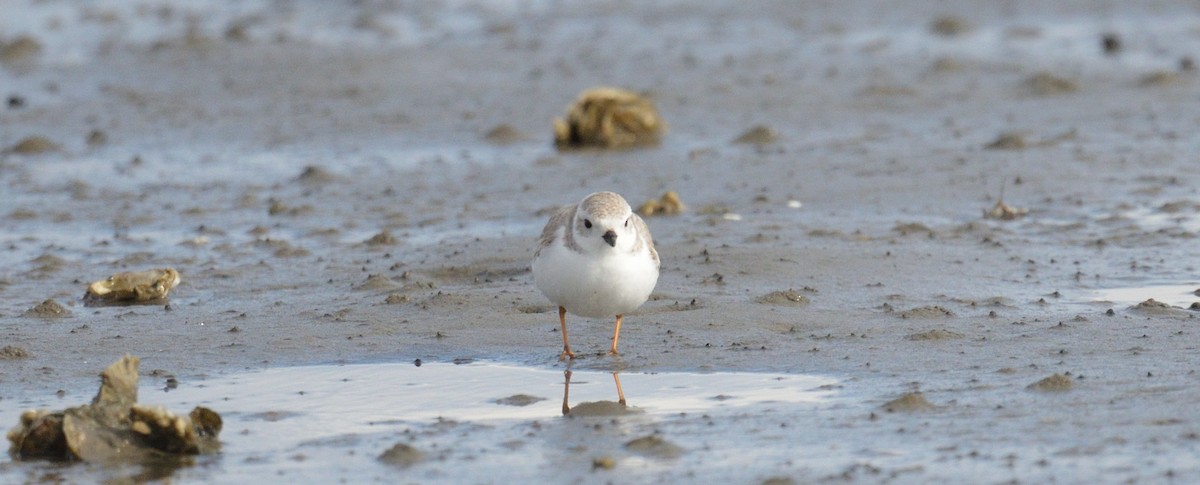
(377, 203)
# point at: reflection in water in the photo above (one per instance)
(161, 467)
(593, 408)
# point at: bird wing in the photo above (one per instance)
(644, 231)
(561, 218)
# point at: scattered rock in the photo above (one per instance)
(278, 208)
(654, 446)
(784, 297)
(1151, 304)
(289, 251)
(608, 117)
(444, 300)
(994, 301)
(152, 285)
(1008, 141)
(236, 31)
(376, 282)
(47, 264)
(114, 427)
(758, 135)
(1045, 84)
(19, 49)
(314, 175)
(34, 145)
(23, 215)
(935, 334)
(383, 238)
(1005, 212)
(949, 26)
(931, 311)
(1111, 43)
(947, 64)
(519, 400)
(12, 352)
(667, 205)
(885, 90)
(604, 463)
(48, 309)
(397, 299)
(412, 286)
(1158, 308)
(1054, 383)
(402, 455)
(912, 228)
(1017, 141)
(96, 138)
(504, 135)
(911, 402)
(1178, 206)
(1160, 78)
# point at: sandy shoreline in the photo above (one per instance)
(884, 127)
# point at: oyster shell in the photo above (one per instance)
(608, 117)
(140, 286)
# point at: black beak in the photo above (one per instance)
(610, 237)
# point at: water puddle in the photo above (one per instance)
(1182, 295)
(476, 422)
(1174, 215)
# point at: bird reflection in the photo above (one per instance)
(597, 408)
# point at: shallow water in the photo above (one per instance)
(1177, 295)
(331, 422)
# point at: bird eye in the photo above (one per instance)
(626, 222)
(587, 223)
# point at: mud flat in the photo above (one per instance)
(362, 184)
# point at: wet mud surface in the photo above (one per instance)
(344, 194)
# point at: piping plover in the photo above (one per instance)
(595, 259)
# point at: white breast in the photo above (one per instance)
(595, 286)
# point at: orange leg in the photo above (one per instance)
(616, 335)
(566, 390)
(562, 318)
(620, 394)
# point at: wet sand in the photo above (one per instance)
(340, 202)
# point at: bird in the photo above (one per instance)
(596, 259)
